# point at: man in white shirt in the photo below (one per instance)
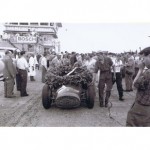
(22, 66)
(32, 65)
(118, 76)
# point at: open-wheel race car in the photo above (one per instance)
(67, 88)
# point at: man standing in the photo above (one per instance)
(32, 71)
(118, 76)
(129, 72)
(104, 64)
(22, 66)
(9, 73)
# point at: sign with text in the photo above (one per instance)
(23, 39)
(26, 39)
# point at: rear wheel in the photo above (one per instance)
(90, 96)
(46, 97)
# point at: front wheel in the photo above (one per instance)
(46, 97)
(90, 96)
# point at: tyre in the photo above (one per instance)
(90, 96)
(46, 97)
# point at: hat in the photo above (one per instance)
(22, 53)
(8, 52)
(145, 51)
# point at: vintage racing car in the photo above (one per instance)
(68, 88)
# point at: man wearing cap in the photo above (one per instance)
(9, 73)
(139, 114)
(104, 64)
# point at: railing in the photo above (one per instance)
(49, 24)
(29, 29)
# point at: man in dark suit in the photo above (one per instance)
(9, 73)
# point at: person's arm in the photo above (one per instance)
(141, 68)
(45, 63)
(26, 65)
(138, 74)
(11, 68)
(95, 71)
(114, 71)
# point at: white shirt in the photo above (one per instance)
(31, 62)
(90, 64)
(118, 65)
(22, 63)
(44, 62)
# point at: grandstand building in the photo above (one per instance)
(33, 36)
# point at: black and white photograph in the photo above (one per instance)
(75, 74)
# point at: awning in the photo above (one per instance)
(8, 48)
(4, 45)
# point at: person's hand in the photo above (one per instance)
(114, 79)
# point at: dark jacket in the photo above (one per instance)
(143, 88)
(9, 70)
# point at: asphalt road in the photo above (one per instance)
(29, 112)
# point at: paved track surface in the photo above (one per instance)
(29, 112)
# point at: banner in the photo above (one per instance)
(23, 39)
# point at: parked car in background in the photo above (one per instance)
(2, 54)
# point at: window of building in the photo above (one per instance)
(44, 24)
(34, 23)
(23, 23)
(14, 23)
(51, 24)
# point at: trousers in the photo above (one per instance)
(102, 84)
(128, 81)
(138, 116)
(118, 83)
(23, 81)
(9, 87)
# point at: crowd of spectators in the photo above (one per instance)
(107, 69)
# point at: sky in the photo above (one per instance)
(89, 25)
(114, 37)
